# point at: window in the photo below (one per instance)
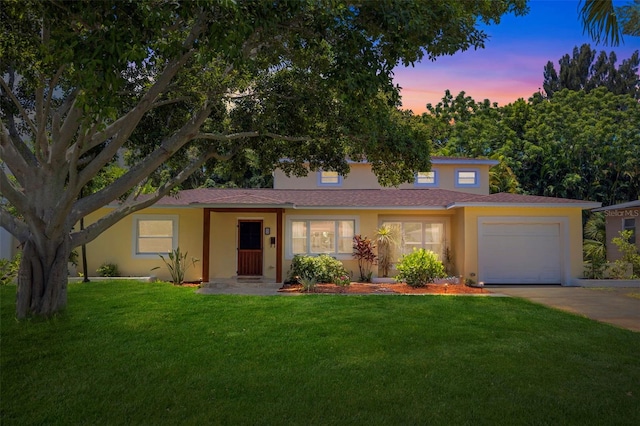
(629, 224)
(415, 234)
(316, 236)
(467, 178)
(427, 179)
(154, 234)
(328, 178)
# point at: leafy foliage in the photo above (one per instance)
(363, 251)
(419, 268)
(177, 263)
(583, 71)
(594, 246)
(108, 270)
(9, 269)
(322, 268)
(386, 238)
(576, 144)
(630, 255)
(186, 87)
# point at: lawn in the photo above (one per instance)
(141, 353)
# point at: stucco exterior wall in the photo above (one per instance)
(115, 245)
(368, 221)
(574, 232)
(224, 241)
(361, 177)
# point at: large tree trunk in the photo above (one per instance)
(42, 278)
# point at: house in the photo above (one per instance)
(494, 238)
(620, 217)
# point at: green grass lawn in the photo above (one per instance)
(140, 353)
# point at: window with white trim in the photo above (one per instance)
(427, 179)
(154, 234)
(416, 234)
(629, 224)
(467, 178)
(329, 178)
(316, 236)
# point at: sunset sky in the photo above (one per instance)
(511, 64)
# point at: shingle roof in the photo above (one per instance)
(354, 198)
(627, 205)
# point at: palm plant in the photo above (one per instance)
(386, 238)
(594, 245)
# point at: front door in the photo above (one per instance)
(249, 247)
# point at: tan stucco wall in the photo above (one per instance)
(368, 223)
(115, 244)
(614, 222)
(361, 177)
(471, 215)
(224, 241)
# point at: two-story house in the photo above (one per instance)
(493, 238)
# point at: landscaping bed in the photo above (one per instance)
(385, 288)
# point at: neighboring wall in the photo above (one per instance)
(615, 220)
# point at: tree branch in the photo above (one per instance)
(16, 102)
(12, 156)
(138, 171)
(133, 204)
(15, 227)
(253, 134)
(170, 101)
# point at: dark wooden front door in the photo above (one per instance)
(250, 247)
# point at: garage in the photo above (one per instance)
(520, 251)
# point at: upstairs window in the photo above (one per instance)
(629, 224)
(328, 178)
(467, 178)
(427, 179)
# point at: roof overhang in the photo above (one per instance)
(621, 206)
(586, 205)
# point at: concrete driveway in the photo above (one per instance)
(617, 306)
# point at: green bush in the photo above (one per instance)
(177, 264)
(419, 268)
(630, 255)
(108, 270)
(9, 269)
(322, 268)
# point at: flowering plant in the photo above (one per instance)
(342, 280)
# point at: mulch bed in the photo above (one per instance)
(386, 288)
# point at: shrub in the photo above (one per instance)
(322, 268)
(419, 268)
(308, 283)
(9, 269)
(108, 270)
(630, 255)
(342, 280)
(177, 264)
(363, 251)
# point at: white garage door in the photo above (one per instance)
(519, 253)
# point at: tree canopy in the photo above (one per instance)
(581, 141)
(301, 80)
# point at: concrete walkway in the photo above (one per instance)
(610, 305)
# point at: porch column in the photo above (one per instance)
(206, 230)
(279, 245)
